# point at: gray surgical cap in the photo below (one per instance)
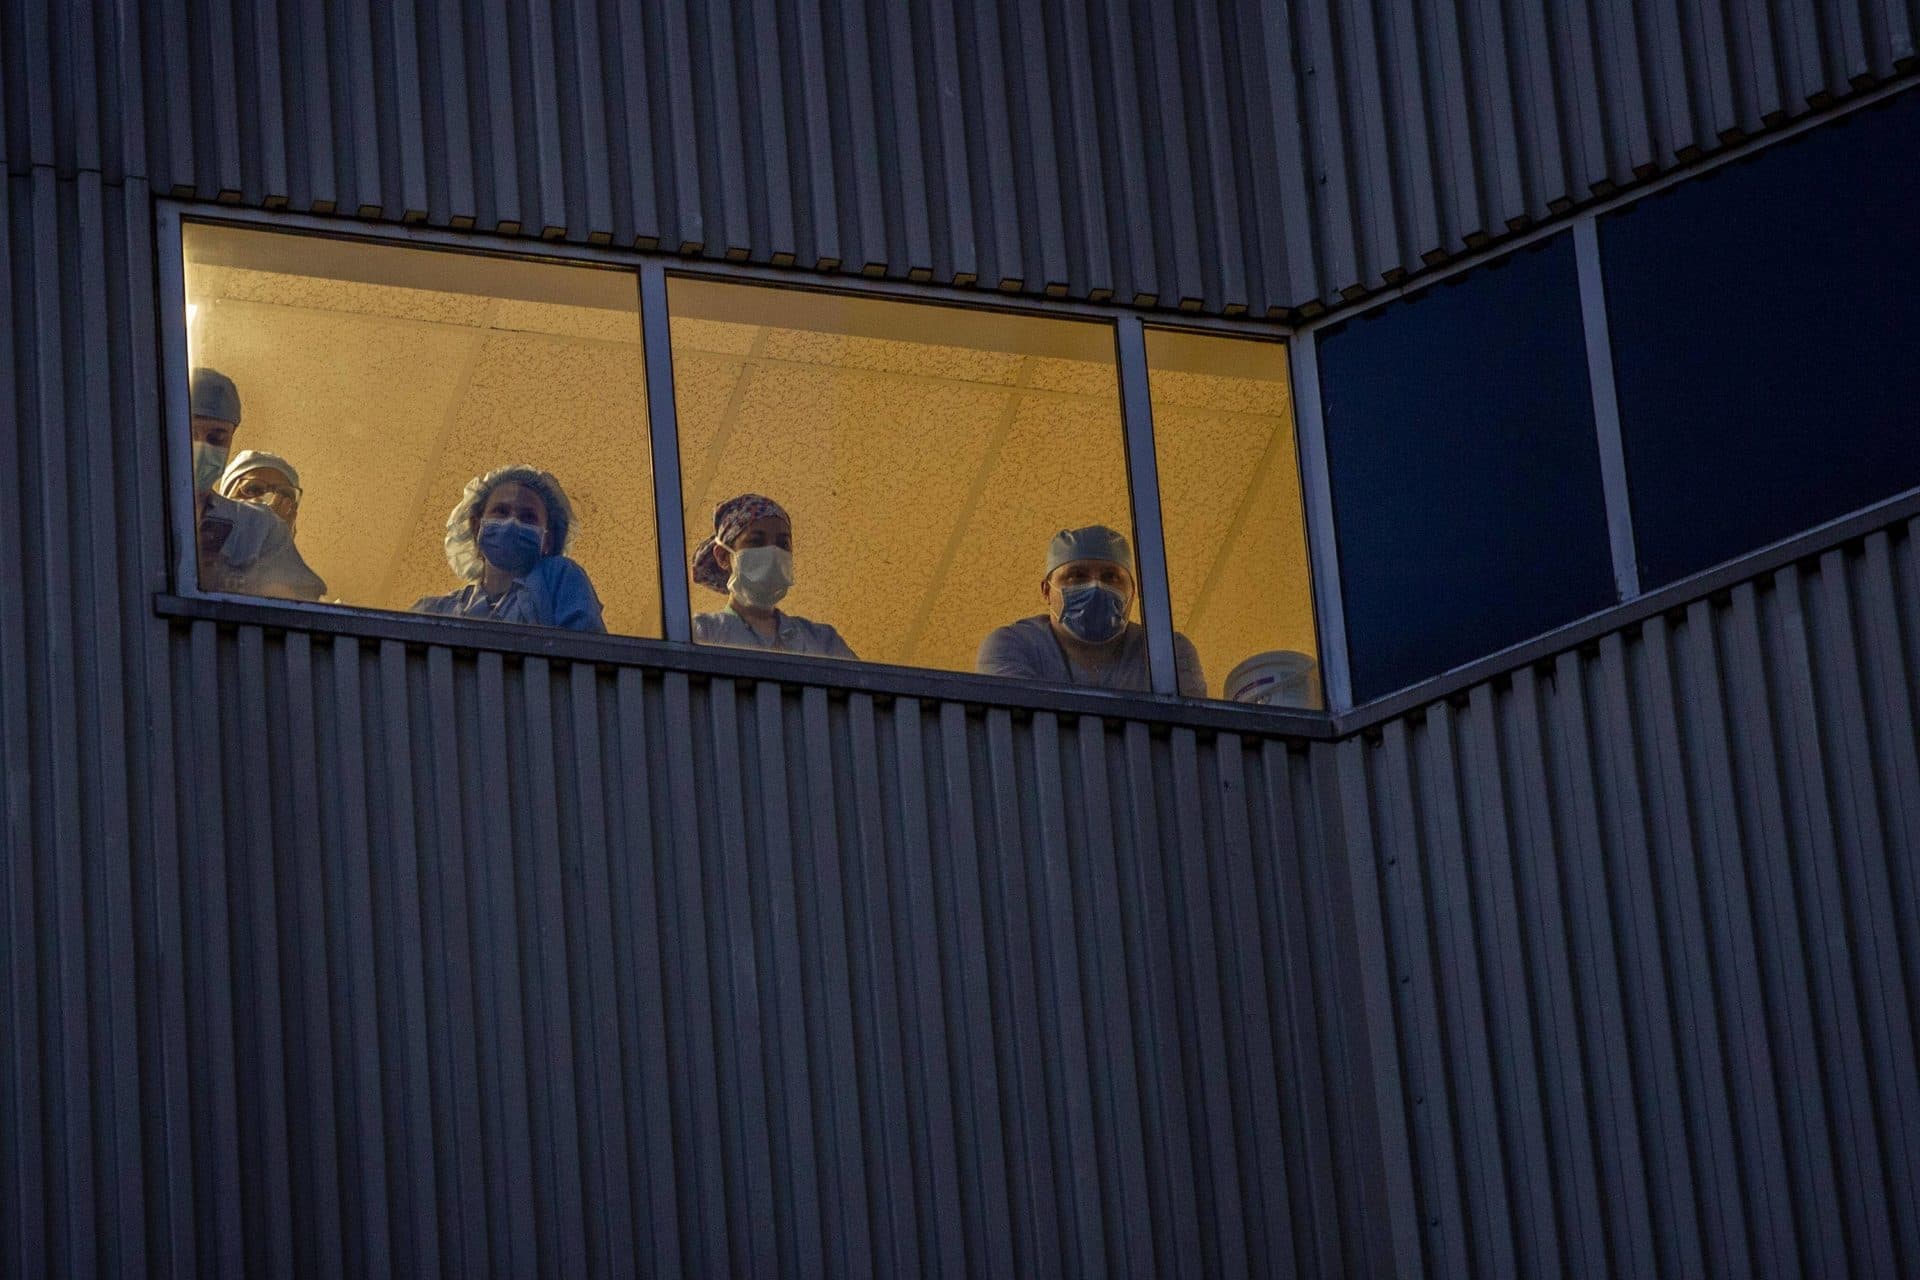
(1095, 542)
(215, 396)
(257, 460)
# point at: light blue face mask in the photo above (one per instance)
(1092, 612)
(209, 460)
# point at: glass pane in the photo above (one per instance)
(1765, 320)
(1465, 473)
(1231, 514)
(922, 457)
(373, 384)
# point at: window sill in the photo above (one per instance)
(710, 662)
(1888, 514)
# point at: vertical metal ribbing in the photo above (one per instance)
(587, 89)
(1036, 128)
(1073, 68)
(823, 143)
(662, 424)
(723, 126)
(1606, 409)
(1176, 232)
(1135, 270)
(775, 195)
(1143, 475)
(406, 111)
(992, 142)
(869, 254)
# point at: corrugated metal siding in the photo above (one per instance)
(1653, 916)
(782, 983)
(333, 956)
(321, 954)
(1219, 156)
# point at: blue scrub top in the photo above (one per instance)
(554, 593)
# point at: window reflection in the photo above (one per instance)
(1230, 510)
(410, 428)
(886, 479)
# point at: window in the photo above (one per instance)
(443, 429)
(1765, 320)
(923, 457)
(372, 383)
(1230, 512)
(1464, 468)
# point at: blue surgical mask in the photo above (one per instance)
(511, 545)
(209, 460)
(1092, 612)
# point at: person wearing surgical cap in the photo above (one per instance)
(265, 478)
(244, 548)
(749, 559)
(507, 540)
(1085, 637)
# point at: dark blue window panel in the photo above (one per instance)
(1466, 477)
(1765, 320)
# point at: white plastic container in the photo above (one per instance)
(1278, 678)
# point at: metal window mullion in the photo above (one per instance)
(1143, 476)
(1606, 407)
(1323, 551)
(668, 516)
(176, 343)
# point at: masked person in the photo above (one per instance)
(264, 478)
(244, 547)
(507, 538)
(749, 559)
(1084, 637)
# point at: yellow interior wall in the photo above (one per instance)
(1230, 490)
(924, 477)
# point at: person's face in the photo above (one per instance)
(767, 531)
(271, 489)
(212, 431)
(1076, 573)
(513, 501)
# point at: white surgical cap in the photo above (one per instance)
(463, 556)
(257, 460)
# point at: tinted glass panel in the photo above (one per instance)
(1231, 513)
(920, 457)
(1466, 478)
(1765, 320)
(356, 390)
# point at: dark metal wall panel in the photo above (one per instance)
(326, 955)
(322, 954)
(1652, 915)
(1224, 157)
(778, 981)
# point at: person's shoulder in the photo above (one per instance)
(1035, 627)
(708, 626)
(562, 569)
(1023, 636)
(1183, 648)
(449, 603)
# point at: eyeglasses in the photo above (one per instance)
(283, 498)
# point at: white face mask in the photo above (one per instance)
(761, 576)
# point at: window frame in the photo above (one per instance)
(1341, 716)
(651, 272)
